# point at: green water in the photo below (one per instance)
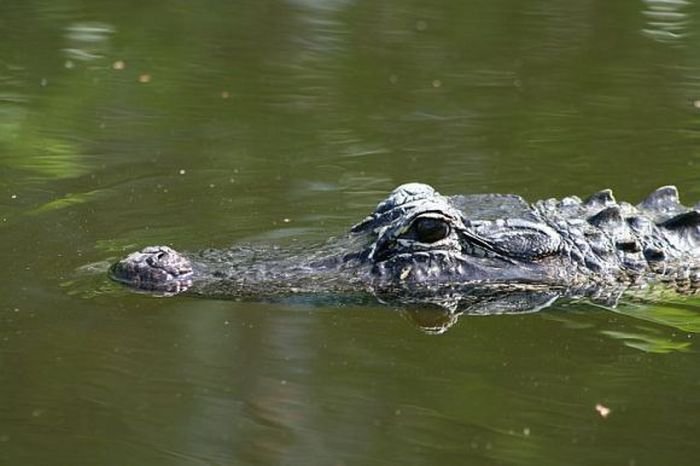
(202, 124)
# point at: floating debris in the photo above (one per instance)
(603, 410)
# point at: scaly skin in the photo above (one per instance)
(421, 246)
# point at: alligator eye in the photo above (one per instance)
(429, 229)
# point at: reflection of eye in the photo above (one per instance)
(429, 229)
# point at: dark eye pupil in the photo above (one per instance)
(430, 230)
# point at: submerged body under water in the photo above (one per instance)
(476, 254)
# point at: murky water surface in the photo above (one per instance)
(124, 124)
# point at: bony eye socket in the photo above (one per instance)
(429, 229)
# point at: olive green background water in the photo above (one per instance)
(202, 124)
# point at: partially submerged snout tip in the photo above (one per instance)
(155, 268)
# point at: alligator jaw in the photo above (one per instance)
(155, 268)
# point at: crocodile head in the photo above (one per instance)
(423, 240)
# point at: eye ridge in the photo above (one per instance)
(429, 229)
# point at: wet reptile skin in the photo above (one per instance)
(420, 246)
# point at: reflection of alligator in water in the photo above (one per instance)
(487, 253)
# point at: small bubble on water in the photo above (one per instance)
(118, 65)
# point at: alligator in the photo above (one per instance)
(483, 253)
